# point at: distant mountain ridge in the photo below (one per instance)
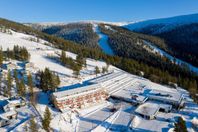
(163, 24)
(178, 33)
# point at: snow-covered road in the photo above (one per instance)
(92, 121)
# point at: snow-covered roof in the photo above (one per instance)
(107, 77)
(128, 94)
(15, 101)
(140, 98)
(165, 95)
(161, 104)
(79, 90)
(148, 109)
(9, 113)
(195, 121)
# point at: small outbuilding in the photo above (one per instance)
(4, 122)
(9, 115)
(148, 110)
(12, 104)
(138, 99)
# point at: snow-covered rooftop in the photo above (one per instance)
(9, 113)
(148, 109)
(165, 95)
(79, 90)
(107, 77)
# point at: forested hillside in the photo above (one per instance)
(81, 33)
(180, 34)
(183, 41)
(161, 73)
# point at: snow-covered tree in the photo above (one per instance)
(9, 84)
(33, 125)
(97, 70)
(180, 126)
(46, 119)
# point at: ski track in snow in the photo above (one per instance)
(103, 40)
(178, 61)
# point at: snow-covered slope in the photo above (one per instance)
(155, 49)
(164, 23)
(103, 40)
(39, 56)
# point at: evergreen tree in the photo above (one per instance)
(63, 58)
(43, 82)
(31, 90)
(46, 119)
(16, 79)
(80, 60)
(18, 53)
(21, 89)
(55, 81)
(104, 70)
(97, 70)
(48, 80)
(9, 83)
(180, 126)
(33, 125)
(76, 70)
(30, 81)
(1, 57)
(1, 90)
(15, 74)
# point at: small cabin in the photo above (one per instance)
(9, 115)
(4, 122)
(12, 104)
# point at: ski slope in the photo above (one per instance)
(39, 56)
(171, 58)
(103, 40)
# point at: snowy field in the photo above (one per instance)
(39, 53)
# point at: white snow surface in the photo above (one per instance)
(39, 53)
(92, 117)
(169, 23)
(103, 40)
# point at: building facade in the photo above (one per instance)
(80, 97)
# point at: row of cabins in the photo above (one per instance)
(8, 109)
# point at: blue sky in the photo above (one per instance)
(105, 10)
